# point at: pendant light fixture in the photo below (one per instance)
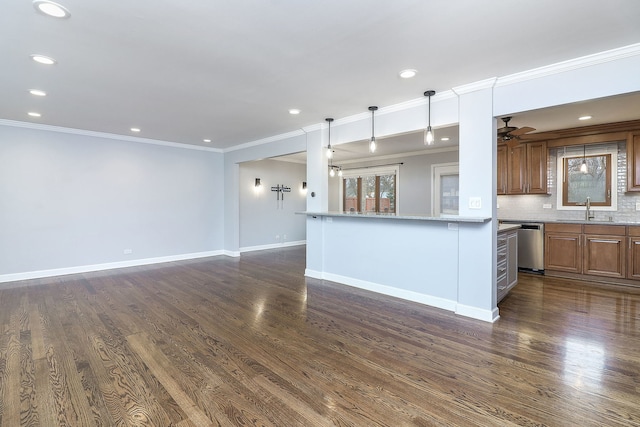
(583, 166)
(329, 149)
(428, 135)
(372, 142)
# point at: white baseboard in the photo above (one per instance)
(107, 266)
(272, 246)
(233, 254)
(314, 274)
(477, 313)
(429, 300)
(443, 303)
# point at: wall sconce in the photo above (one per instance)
(329, 149)
(428, 136)
(304, 185)
(372, 143)
(258, 182)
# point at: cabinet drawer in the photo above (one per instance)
(556, 227)
(502, 270)
(634, 230)
(611, 230)
(502, 286)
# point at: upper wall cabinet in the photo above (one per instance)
(522, 168)
(633, 161)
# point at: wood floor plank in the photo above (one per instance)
(251, 341)
(161, 368)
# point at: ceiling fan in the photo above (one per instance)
(512, 134)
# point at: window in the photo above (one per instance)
(444, 189)
(370, 190)
(594, 180)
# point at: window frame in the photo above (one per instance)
(608, 149)
(368, 171)
(439, 170)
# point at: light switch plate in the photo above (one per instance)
(547, 206)
(475, 203)
(638, 206)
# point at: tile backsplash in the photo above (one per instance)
(530, 207)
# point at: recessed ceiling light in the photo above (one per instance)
(206, 140)
(408, 73)
(584, 118)
(444, 138)
(34, 114)
(50, 8)
(135, 129)
(43, 59)
(38, 92)
(294, 111)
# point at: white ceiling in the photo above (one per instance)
(187, 70)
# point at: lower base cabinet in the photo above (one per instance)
(633, 253)
(593, 251)
(507, 262)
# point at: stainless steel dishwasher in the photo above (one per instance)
(531, 247)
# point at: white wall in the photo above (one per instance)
(287, 144)
(265, 221)
(72, 201)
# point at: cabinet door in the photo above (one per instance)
(633, 161)
(502, 170)
(563, 252)
(512, 259)
(604, 256)
(537, 168)
(633, 259)
(516, 168)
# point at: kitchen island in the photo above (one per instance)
(414, 257)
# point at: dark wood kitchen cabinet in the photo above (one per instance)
(522, 168)
(604, 250)
(633, 161)
(633, 253)
(501, 162)
(563, 248)
(591, 251)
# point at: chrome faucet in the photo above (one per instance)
(588, 215)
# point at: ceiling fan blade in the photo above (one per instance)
(521, 131)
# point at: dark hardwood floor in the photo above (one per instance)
(251, 342)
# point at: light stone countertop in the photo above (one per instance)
(453, 218)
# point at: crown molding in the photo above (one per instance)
(400, 155)
(402, 106)
(572, 64)
(267, 140)
(475, 86)
(315, 127)
(94, 134)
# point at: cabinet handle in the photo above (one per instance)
(502, 269)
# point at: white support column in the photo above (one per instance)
(477, 244)
(317, 199)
